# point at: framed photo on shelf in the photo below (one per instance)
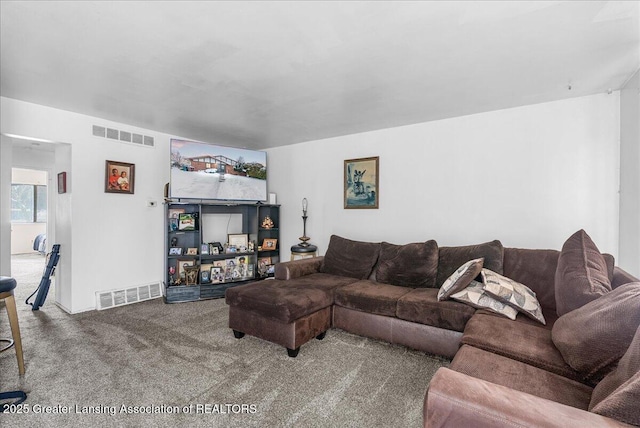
(173, 224)
(238, 240)
(217, 274)
(119, 177)
(175, 212)
(191, 274)
(192, 251)
(361, 182)
(269, 244)
(204, 249)
(205, 276)
(175, 251)
(181, 265)
(186, 221)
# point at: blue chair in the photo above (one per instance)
(7, 285)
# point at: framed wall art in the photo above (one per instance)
(119, 177)
(361, 183)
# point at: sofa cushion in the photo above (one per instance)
(475, 296)
(514, 294)
(411, 265)
(287, 301)
(618, 395)
(582, 273)
(451, 258)
(520, 341)
(354, 259)
(520, 376)
(593, 338)
(461, 278)
(371, 297)
(422, 306)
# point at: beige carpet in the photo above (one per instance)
(183, 360)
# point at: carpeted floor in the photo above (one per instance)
(106, 368)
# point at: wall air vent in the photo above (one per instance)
(99, 131)
(123, 136)
(114, 298)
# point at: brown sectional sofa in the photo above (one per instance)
(503, 372)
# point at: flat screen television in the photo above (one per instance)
(207, 171)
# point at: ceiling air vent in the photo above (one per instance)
(113, 298)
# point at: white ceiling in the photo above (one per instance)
(265, 74)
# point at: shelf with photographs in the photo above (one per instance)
(212, 247)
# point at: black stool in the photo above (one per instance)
(303, 251)
(7, 285)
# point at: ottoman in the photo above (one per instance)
(286, 312)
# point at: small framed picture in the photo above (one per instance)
(217, 274)
(175, 251)
(269, 244)
(361, 183)
(191, 274)
(175, 212)
(119, 177)
(181, 265)
(205, 276)
(238, 240)
(214, 250)
(186, 221)
(204, 249)
(173, 224)
(62, 182)
(192, 251)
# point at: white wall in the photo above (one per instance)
(117, 241)
(630, 176)
(6, 161)
(529, 176)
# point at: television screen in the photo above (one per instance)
(206, 171)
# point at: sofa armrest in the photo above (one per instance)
(621, 277)
(454, 399)
(298, 268)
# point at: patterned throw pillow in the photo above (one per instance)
(514, 294)
(460, 278)
(474, 295)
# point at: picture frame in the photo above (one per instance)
(217, 274)
(204, 249)
(238, 240)
(191, 274)
(175, 251)
(361, 183)
(205, 276)
(269, 244)
(119, 177)
(175, 212)
(186, 222)
(181, 265)
(192, 251)
(62, 182)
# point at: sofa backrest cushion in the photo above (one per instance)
(349, 258)
(617, 396)
(451, 258)
(593, 338)
(411, 265)
(582, 274)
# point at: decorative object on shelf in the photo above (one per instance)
(218, 246)
(191, 274)
(62, 182)
(175, 212)
(192, 251)
(119, 177)
(187, 221)
(272, 198)
(181, 265)
(269, 244)
(172, 272)
(204, 249)
(252, 246)
(175, 251)
(267, 223)
(174, 241)
(205, 277)
(361, 182)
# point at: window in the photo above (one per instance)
(28, 203)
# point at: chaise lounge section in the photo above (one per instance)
(395, 294)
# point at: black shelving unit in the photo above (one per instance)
(217, 272)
